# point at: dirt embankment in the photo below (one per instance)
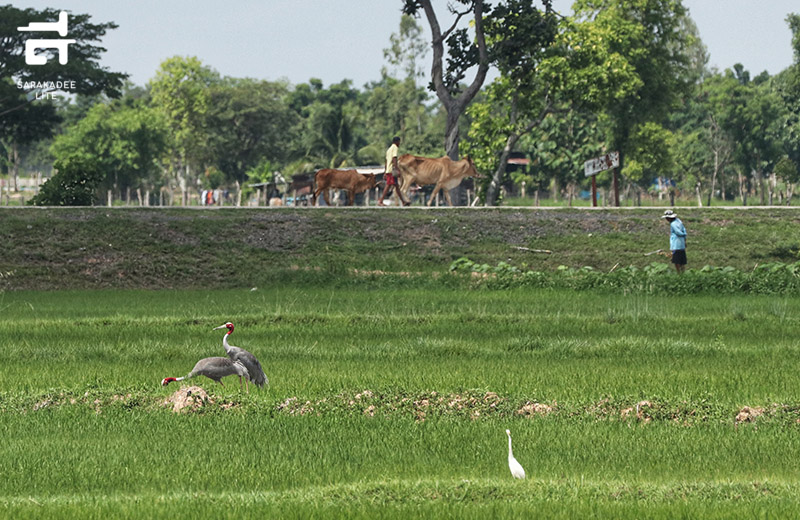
(55, 248)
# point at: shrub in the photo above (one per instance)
(74, 184)
(656, 278)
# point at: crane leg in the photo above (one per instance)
(220, 382)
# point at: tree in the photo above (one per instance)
(560, 146)
(544, 67)
(248, 121)
(180, 91)
(406, 50)
(650, 155)
(83, 66)
(703, 147)
(330, 129)
(23, 127)
(653, 37)
(463, 54)
(74, 184)
(397, 105)
(750, 112)
(23, 121)
(520, 35)
(125, 140)
(790, 173)
(788, 86)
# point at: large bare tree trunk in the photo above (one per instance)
(455, 105)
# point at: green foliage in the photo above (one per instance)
(264, 171)
(656, 278)
(561, 144)
(213, 178)
(399, 107)
(650, 36)
(248, 121)
(181, 92)
(330, 122)
(787, 169)
(407, 48)
(28, 123)
(651, 153)
(83, 65)
(587, 68)
(74, 184)
(126, 139)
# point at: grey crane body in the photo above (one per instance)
(248, 360)
(214, 368)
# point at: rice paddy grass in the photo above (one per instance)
(393, 403)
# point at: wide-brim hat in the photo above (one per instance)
(669, 214)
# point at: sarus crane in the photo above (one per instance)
(257, 375)
(213, 368)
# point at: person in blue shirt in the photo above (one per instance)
(677, 240)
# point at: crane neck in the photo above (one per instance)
(225, 341)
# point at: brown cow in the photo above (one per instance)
(350, 180)
(444, 172)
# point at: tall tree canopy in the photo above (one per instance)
(24, 119)
(181, 92)
(652, 35)
(83, 66)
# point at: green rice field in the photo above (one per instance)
(393, 401)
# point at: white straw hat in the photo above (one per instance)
(669, 214)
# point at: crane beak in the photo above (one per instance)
(220, 327)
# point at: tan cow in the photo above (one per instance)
(350, 180)
(442, 171)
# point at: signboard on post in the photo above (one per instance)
(600, 164)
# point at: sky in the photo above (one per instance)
(333, 40)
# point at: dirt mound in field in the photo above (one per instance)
(531, 409)
(188, 399)
(641, 411)
(748, 414)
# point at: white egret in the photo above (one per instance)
(516, 468)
